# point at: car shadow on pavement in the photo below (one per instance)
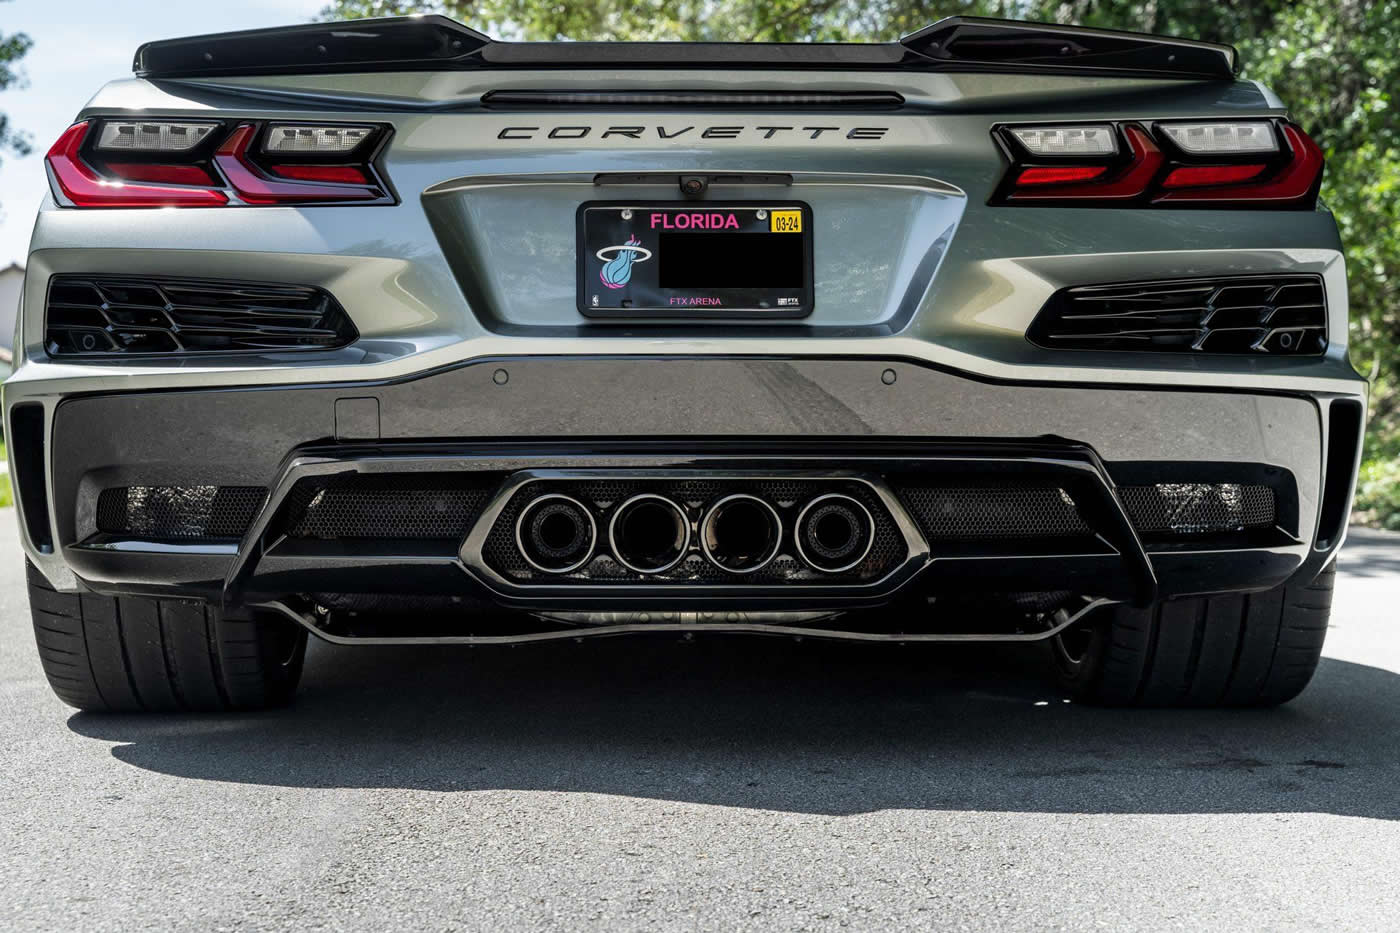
(774, 724)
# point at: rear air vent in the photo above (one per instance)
(1344, 429)
(95, 316)
(424, 506)
(1198, 508)
(698, 100)
(1281, 315)
(966, 513)
(1008, 511)
(27, 439)
(178, 512)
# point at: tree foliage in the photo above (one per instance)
(12, 48)
(1335, 62)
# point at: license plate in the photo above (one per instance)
(695, 260)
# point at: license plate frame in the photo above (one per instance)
(605, 230)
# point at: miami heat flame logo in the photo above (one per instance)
(618, 260)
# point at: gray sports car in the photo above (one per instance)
(389, 333)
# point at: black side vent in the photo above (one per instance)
(966, 513)
(112, 314)
(1344, 425)
(1010, 511)
(1284, 315)
(1198, 508)
(27, 456)
(179, 512)
(696, 100)
(431, 506)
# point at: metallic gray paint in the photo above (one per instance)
(914, 272)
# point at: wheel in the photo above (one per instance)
(133, 654)
(1259, 649)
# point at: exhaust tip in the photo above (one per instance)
(834, 533)
(556, 534)
(741, 533)
(649, 533)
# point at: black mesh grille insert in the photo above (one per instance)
(998, 511)
(993, 511)
(1198, 508)
(1277, 314)
(387, 505)
(114, 314)
(179, 511)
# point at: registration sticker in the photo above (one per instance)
(785, 222)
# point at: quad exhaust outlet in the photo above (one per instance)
(649, 533)
(741, 533)
(556, 534)
(834, 533)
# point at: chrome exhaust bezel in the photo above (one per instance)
(592, 533)
(709, 517)
(869, 537)
(628, 503)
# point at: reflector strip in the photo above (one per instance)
(163, 174)
(1197, 175)
(1046, 175)
(342, 174)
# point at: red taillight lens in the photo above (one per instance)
(1194, 176)
(1051, 175)
(1248, 163)
(161, 174)
(338, 174)
(168, 163)
(84, 187)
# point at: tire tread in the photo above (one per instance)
(1257, 649)
(139, 654)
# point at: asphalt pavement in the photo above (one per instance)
(725, 784)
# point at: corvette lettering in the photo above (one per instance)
(575, 132)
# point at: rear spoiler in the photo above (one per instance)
(437, 43)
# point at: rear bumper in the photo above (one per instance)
(873, 418)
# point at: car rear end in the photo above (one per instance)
(401, 334)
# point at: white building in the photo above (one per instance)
(11, 280)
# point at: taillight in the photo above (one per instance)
(1247, 163)
(170, 163)
(254, 185)
(83, 186)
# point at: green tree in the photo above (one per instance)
(12, 49)
(687, 20)
(1335, 62)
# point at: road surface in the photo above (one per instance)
(723, 785)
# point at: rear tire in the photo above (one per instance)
(135, 654)
(1257, 649)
